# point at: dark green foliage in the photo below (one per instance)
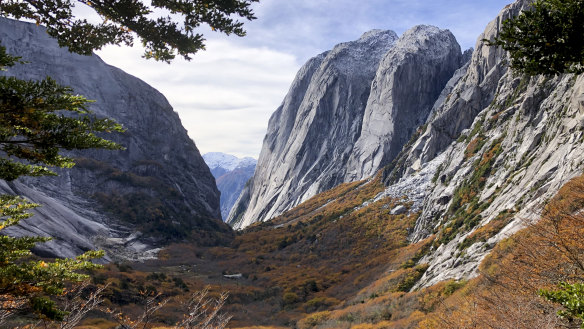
(290, 298)
(571, 297)
(437, 173)
(38, 119)
(452, 286)
(474, 146)
(179, 283)
(411, 278)
(156, 276)
(484, 233)
(47, 307)
(23, 278)
(546, 38)
(419, 254)
(477, 128)
(123, 20)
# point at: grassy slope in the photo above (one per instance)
(328, 266)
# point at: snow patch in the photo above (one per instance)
(227, 161)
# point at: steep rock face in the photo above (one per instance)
(160, 183)
(231, 174)
(408, 82)
(310, 136)
(472, 89)
(337, 123)
(231, 184)
(494, 151)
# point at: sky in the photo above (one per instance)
(226, 94)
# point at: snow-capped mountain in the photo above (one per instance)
(221, 163)
(231, 173)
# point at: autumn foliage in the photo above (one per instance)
(507, 294)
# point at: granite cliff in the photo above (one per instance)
(348, 113)
(486, 150)
(159, 186)
(494, 151)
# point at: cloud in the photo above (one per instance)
(224, 96)
(308, 27)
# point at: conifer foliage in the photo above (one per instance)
(38, 119)
(122, 20)
(26, 283)
(546, 38)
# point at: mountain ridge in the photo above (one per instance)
(231, 174)
(313, 137)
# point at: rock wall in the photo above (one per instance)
(338, 121)
(408, 81)
(493, 152)
(159, 185)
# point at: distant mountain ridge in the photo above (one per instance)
(231, 174)
(219, 162)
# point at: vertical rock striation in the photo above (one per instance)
(408, 82)
(310, 136)
(495, 149)
(337, 122)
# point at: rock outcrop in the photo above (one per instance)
(231, 174)
(337, 122)
(159, 185)
(409, 79)
(496, 148)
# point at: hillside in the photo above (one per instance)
(158, 187)
(467, 215)
(350, 265)
(495, 146)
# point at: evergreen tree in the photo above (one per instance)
(38, 119)
(548, 38)
(155, 25)
(27, 283)
(571, 297)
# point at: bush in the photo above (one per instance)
(290, 298)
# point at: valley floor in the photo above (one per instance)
(348, 266)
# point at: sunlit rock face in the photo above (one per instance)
(503, 142)
(408, 82)
(348, 113)
(159, 182)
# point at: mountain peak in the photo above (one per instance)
(377, 34)
(227, 161)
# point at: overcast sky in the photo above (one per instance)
(226, 94)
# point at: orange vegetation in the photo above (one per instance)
(330, 263)
(505, 294)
